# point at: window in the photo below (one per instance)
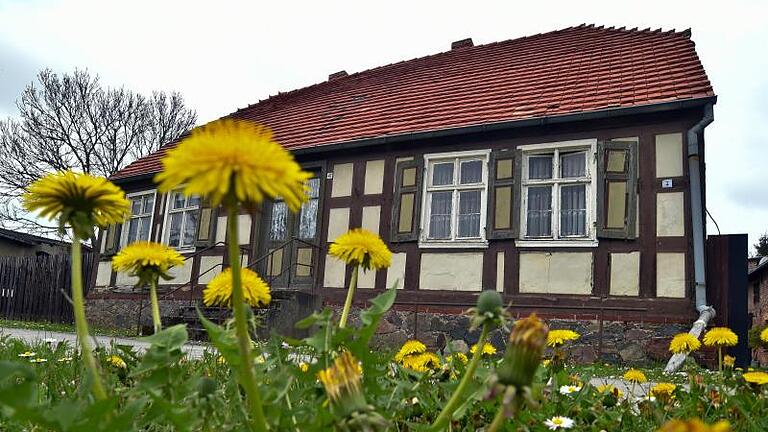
(181, 220)
(139, 226)
(558, 193)
(307, 230)
(455, 199)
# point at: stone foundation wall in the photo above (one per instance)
(630, 343)
(124, 313)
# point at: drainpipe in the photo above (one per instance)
(706, 312)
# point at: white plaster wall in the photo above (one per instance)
(181, 274)
(244, 229)
(366, 279)
(221, 229)
(556, 272)
(123, 280)
(374, 177)
(396, 271)
(669, 155)
(341, 186)
(103, 273)
(625, 274)
(670, 214)
(670, 274)
(451, 271)
(500, 271)
(338, 222)
(335, 275)
(371, 218)
(206, 263)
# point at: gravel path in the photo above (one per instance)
(31, 336)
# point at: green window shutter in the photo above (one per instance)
(406, 214)
(206, 224)
(503, 195)
(112, 239)
(616, 189)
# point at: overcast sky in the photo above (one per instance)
(224, 55)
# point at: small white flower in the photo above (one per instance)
(38, 360)
(414, 401)
(559, 422)
(27, 354)
(50, 341)
(568, 389)
(650, 398)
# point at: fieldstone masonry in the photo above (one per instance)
(630, 343)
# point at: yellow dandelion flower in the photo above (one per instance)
(488, 349)
(764, 335)
(546, 362)
(759, 378)
(409, 348)
(423, 362)
(460, 356)
(142, 257)
(556, 338)
(27, 354)
(684, 343)
(342, 377)
(303, 366)
(720, 336)
(729, 361)
(608, 388)
(229, 153)
(635, 376)
(117, 362)
(221, 360)
(76, 199)
(219, 290)
(694, 425)
(663, 389)
(361, 247)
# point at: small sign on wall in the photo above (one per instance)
(666, 183)
(329, 175)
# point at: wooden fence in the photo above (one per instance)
(38, 288)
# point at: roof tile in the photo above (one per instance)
(561, 72)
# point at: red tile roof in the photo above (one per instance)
(578, 69)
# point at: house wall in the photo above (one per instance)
(648, 278)
(645, 280)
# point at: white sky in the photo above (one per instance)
(224, 55)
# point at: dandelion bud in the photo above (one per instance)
(489, 309)
(342, 382)
(523, 354)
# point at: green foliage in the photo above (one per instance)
(163, 390)
(761, 247)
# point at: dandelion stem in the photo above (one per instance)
(247, 377)
(350, 295)
(81, 324)
(447, 413)
(155, 305)
(497, 420)
(719, 358)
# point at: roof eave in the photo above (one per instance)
(487, 127)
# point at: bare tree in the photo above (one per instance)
(70, 121)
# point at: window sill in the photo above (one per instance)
(454, 245)
(585, 243)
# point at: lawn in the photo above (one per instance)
(64, 328)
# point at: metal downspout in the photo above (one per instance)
(706, 312)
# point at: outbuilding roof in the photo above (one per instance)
(574, 70)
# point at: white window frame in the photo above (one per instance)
(590, 147)
(126, 224)
(166, 225)
(454, 242)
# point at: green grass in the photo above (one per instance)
(65, 328)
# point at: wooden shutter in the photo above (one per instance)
(616, 189)
(503, 195)
(112, 239)
(206, 224)
(406, 207)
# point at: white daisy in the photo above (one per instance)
(559, 422)
(38, 360)
(50, 341)
(568, 389)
